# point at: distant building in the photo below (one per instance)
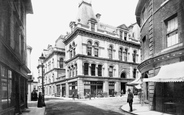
(162, 33)
(100, 59)
(32, 83)
(13, 56)
(54, 70)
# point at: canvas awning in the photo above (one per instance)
(169, 73)
(137, 81)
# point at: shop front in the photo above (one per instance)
(169, 88)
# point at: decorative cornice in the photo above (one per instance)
(82, 31)
(160, 58)
(97, 58)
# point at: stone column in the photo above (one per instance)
(96, 70)
(80, 86)
(106, 87)
(67, 89)
(117, 87)
(89, 70)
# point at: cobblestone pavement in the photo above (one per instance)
(95, 106)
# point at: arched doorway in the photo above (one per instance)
(123, 74)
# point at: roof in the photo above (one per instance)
(169, 73)
(85, 13)
(138, 10)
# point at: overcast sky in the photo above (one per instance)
(51, 18)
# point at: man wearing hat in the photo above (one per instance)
(130, 99)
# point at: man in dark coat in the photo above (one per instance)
(130, 99)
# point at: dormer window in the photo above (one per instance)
(125, 36)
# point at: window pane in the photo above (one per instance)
(4, 86)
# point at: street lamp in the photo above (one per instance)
(42, 58)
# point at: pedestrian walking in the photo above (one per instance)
(40, 100)
(73, 96)
(130, 99)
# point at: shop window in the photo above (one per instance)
(172, 31)
(93, 67)
(86, 66)
(99, 70)
(6, 88)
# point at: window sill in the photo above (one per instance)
(172, 47)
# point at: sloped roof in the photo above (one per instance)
(85, 13)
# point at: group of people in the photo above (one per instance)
(34, 97)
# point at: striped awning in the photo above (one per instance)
(137, 81)
(169, 73)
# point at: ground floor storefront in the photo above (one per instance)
(13, 91)
(84, 86)
(164, 91)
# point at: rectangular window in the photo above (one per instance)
(86, 65)
(111, 71)
(89, 50)
(96, 52)
(99, 70)
(61, 63)
(172, 32)
(6, 87)
(93, 69)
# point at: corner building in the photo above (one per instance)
(162, 34)
(100, 59)
(54, 70)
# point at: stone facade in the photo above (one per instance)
(100, 59)
(53, 68)
(13, 56)
(161, 23)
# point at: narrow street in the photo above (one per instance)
(95, 106)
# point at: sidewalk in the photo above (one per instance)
(33, 109)
(139, 109)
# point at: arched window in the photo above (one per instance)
(134, 56)
(70, 49)
(96, 49)
(73, 45)
(126, 55)
(110, 52)
(89, 48)
(120, 54)
(123, 75)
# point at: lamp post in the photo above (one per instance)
(42, 58)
